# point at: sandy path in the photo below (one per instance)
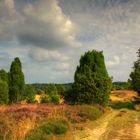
(105, 122)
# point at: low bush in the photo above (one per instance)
(89, 112)
(55, 127)
(55, 98)
(120, 105)
(38, 136)
(45, 99)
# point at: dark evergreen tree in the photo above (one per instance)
(91, 81)
(16, 81)
(4, 96)
(135, 74)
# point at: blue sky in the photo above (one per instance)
(49, 36)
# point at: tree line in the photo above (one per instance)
(92, 83)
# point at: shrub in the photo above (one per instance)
(38, 136)
(120, 105)
(45, 99)
(55, 98)
(89, 112)
(55, 127)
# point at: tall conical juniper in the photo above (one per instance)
(92, 83)
(16, 81)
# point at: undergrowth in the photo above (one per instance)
(42, 121)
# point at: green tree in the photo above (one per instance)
(92, 83)
(29, 93)
(3, 75)
(16, 81)
(60, 89)
(51, 89)
(4, 96)
(135, 74)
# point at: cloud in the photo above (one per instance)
(47, 34)
(111, 26)
(39, 23)
(41, 54)
(116, 61)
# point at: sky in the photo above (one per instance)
(49, 36)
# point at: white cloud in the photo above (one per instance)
(39, 23)
(48, 31)
(41, 54)
(115, 61)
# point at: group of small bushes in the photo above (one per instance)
(48, 129)
(47, 93)
(54, 98)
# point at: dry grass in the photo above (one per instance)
(123, 95)
(17, 121)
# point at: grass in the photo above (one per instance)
(120, 124)
(46, 130)
(89, 112)
(42, 121)
(55, 127)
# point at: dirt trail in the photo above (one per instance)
(121, 124)
(101, 129)
(106, 129)
(98, 130)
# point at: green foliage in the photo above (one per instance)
(135, 74)
(121, 85)
(55, 127)
(91, 82)
(55, 98)
(16, 81)
(89, 112)
(120, 105)
(51, 89)
(60, 89)
(4, 75)
(29, 93)
(4, 96)
(47, 130)
(45, 99)
(39, 135)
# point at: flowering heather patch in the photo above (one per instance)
(16, 121)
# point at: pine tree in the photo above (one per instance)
(91, 81)
(135, 74)
(16, 81)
